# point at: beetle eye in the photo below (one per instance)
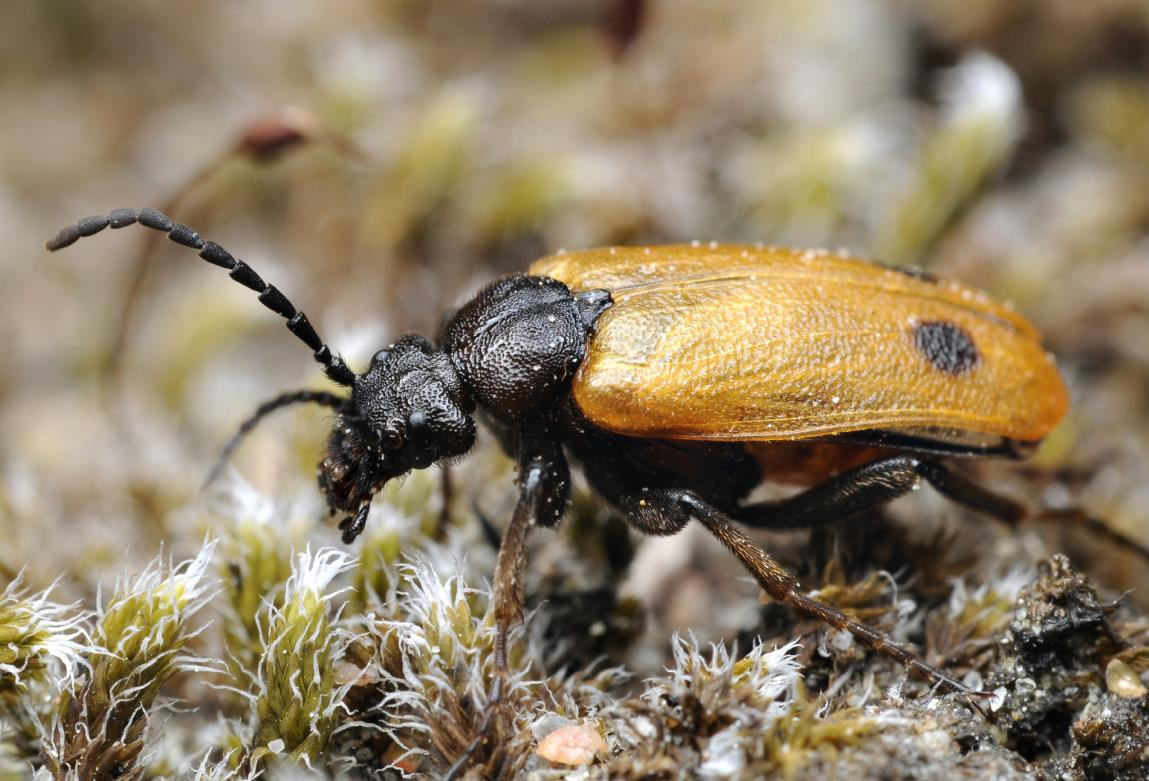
(417, 422)
(391, 437)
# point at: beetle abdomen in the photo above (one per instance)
(744, 344)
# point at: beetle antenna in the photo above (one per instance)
(269, 295)
(321, 398)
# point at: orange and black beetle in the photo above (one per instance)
(680, 378)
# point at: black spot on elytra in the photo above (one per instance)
(946, 345)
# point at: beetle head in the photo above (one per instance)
(407, 411)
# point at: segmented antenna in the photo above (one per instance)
(322, 398)
(269, 295)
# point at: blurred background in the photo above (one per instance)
(377, 161)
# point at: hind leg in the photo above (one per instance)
(870, 486)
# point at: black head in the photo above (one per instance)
(409, 410)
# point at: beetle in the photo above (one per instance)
(680, 378)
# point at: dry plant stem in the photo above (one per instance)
(782, 587)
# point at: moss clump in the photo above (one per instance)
(41, 644)
(255, 562)
(298, 702)
(138, 644)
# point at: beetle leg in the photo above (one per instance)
(882, 481)
(663, 512)
(353, 525)
(544, 486)
(491, 534)
(870, 485)
(445, 489)
(972, 495)
(968, 493)
(1074, 516)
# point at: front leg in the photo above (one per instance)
(544, 490)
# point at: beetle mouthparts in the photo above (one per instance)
(352, 526)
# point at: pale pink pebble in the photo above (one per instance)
(574, 744)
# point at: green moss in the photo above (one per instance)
(297, 702)
(138, 644)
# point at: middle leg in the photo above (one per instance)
(662, 512)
